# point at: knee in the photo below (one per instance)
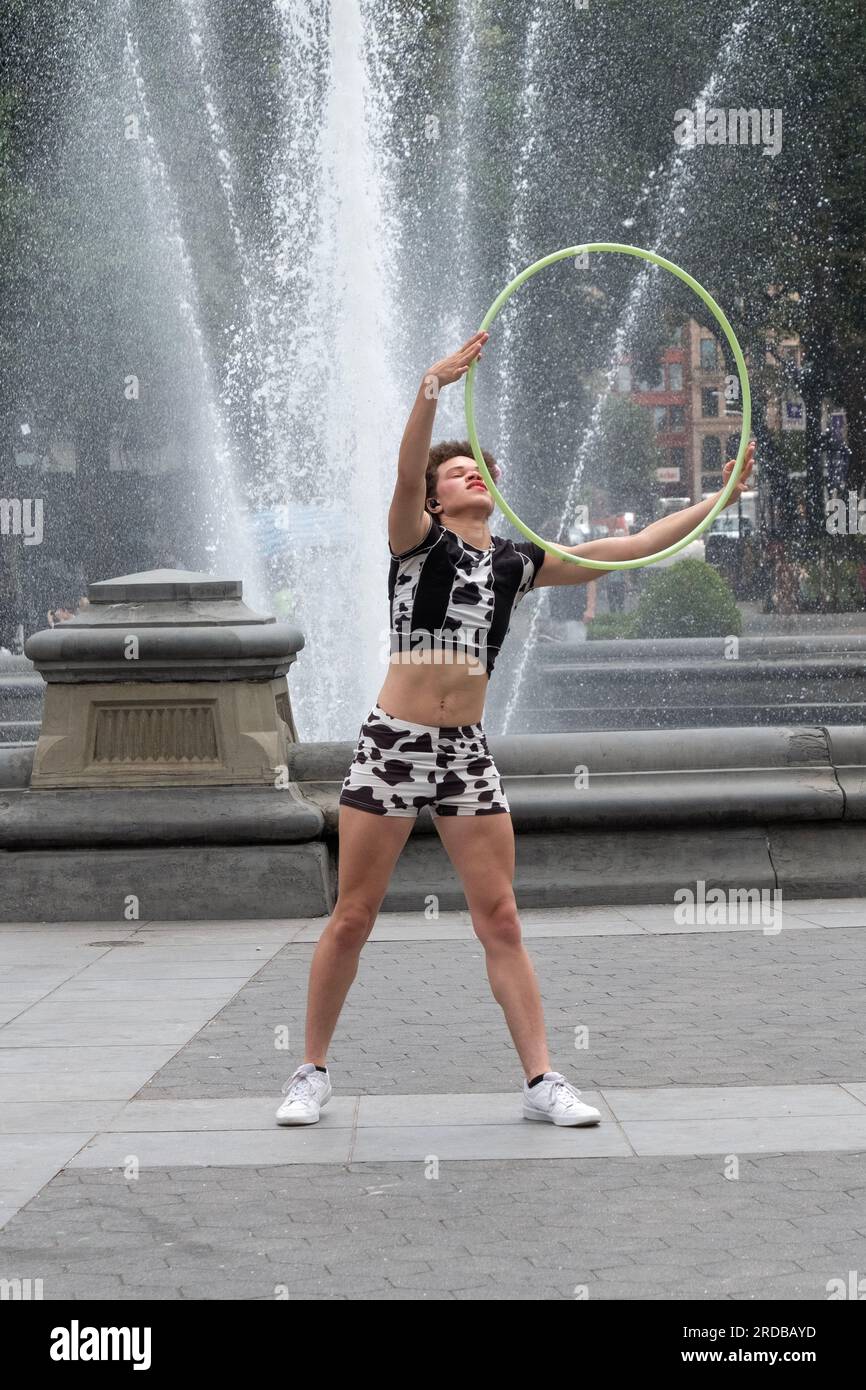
(351, 924)
(499, 925)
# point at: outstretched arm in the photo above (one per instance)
(406, 524)
(657, 536)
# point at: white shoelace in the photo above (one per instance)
(298, 1087)
(560, 1086)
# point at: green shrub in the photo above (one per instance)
(833, 585)
(609, 625)
(688, 599)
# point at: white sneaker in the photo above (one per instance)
(556, 1100)
(306, 1091)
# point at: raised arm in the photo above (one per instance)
(657, 536)
(406, 516)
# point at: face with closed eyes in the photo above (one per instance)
(461, 490)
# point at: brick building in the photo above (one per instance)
(696, 411)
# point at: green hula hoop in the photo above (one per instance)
(744, 388)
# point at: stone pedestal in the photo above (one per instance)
(167, 679)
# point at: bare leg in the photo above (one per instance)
(481, 848)
(370, 846)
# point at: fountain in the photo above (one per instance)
(280, 215)
(224, 522)
(677, 178)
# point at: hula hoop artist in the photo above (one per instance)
(453, 587)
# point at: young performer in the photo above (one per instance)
(452, 588)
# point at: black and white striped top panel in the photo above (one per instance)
(447, 593)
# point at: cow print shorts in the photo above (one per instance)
(398, 767)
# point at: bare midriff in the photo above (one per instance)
(435, 687)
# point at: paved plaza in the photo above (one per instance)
(141, 1065)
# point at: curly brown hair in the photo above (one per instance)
(449, 449)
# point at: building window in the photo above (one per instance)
(678, 417)
(57, 456)
(709, 402)
(678, 458)
(732, 444)
(709, 355)
(677, 336)
(655, 383)
(623, 378)
(675, 376)
(711, 455)
(660, 415)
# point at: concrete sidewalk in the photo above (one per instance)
(141, 1064)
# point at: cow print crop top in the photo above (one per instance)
(448, 594)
